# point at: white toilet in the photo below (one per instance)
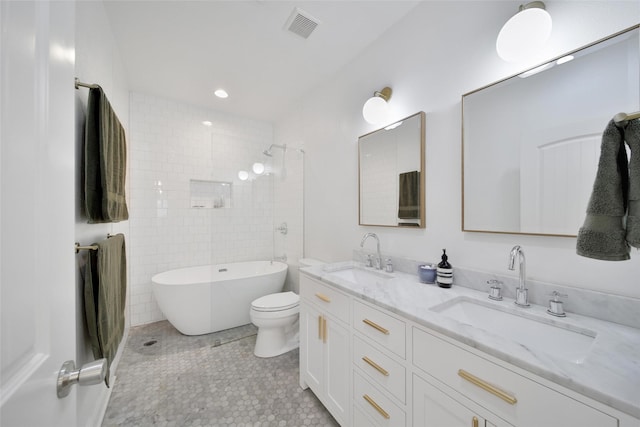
(276, 316)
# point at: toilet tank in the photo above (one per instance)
(309, 262)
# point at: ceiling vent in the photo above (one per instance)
(301, 23)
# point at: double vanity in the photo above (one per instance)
(383, 349)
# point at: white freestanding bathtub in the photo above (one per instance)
(210, 298)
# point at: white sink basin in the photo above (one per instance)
(360, 275)
(537, 334)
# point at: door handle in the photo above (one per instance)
(324, 329)
(91, 373)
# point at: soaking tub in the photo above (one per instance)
(210, 298)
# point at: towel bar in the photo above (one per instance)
(90, 86)
(79, 248)
(621, 119)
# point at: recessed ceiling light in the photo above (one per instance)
(207, 123)
(221, 93)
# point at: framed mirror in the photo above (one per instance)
(391, 174)
(531, 142)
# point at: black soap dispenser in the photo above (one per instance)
(445, 271)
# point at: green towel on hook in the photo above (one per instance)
(105, 161)
(632, 138)
(603, 234)
(105, 288)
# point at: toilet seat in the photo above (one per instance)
(276, 302)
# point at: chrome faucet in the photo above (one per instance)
(522, 297)
(378, 262)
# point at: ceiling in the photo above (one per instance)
(184, 50)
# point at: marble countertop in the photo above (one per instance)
(609, 373)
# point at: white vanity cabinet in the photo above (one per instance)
(324, 346)
(375, 368)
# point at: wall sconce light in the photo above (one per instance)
(526, 31)
(258, 168)
(243, 175)
(376, 109)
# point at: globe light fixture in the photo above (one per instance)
(525, 33)
(376, 109)
(258, 168)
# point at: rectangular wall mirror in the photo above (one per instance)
(531, 143)
(391, 174)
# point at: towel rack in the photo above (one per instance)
(621, 119)
(90, 86)
(79, 248)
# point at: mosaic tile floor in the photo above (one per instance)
(168, 379)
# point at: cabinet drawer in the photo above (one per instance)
(360, 419)
(325, 297)
(380, 327)
(376, 404)
(381, 368)
(513, 397)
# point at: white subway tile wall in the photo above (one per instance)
(169, 146)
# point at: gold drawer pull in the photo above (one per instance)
(376, 326)
(319, 327)
(376, 366)
(488, 387)
(474, 422)
(376, 406)
(323, 297)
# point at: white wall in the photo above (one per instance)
(169, 147)
(438, 52)
(97, 61)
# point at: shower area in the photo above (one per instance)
(285, 165)
(207, 188)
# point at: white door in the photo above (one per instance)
(37, 279)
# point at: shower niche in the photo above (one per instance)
(210, 194)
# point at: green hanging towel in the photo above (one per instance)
(105, 161)
(105, 289)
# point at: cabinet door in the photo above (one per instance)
(338, 369)
(433, 408)
(311, 347)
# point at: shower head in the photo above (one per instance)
(268, 152)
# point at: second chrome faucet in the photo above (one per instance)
(522, 297)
